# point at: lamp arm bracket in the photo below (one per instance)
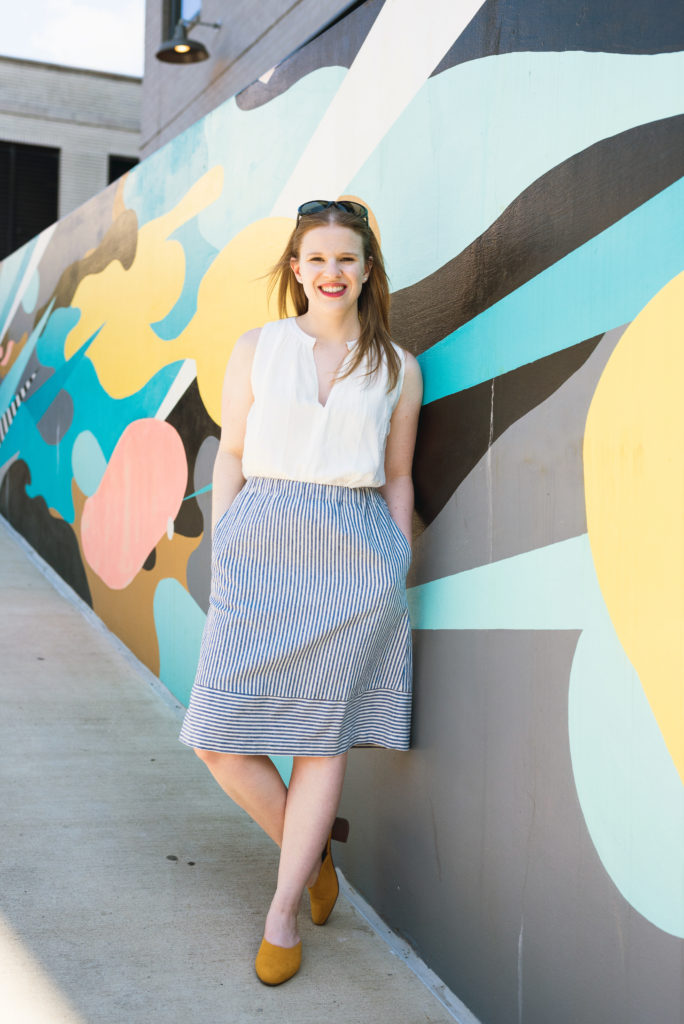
(188, 25)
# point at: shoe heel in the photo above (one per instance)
(340, 830)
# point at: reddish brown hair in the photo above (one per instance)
(374, 301)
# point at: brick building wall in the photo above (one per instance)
(87, 115)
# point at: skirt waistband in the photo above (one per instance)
(306, 489)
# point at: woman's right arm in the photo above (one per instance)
(236, 401)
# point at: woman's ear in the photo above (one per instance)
(294, 266)
(369, 265)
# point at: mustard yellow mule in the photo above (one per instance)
(276, 964)
(325, 890)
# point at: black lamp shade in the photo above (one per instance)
(181, 50)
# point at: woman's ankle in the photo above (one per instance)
(280, 928)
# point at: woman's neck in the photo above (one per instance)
(330, 328)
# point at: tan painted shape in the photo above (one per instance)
(119, 206)
(129, 612)
(634, 485)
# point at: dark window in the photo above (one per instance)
(118, 165)
(29, 187)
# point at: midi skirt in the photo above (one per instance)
(307, 643)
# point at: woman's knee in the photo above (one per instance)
(210, 757)
(227, 763)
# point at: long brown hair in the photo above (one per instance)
(374, 300)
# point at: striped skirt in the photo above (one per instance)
(307, 644)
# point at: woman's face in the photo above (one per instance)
(331, 267)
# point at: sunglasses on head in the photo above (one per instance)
(316, 205)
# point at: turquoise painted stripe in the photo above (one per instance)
(179, 622)
(482, 132)
(553, 587)
(202, 490)
(604, 283)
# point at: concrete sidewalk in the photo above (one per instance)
(133, 890)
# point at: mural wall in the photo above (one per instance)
(524, 163)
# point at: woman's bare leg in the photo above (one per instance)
(310, 809)
(298, 819)
(253, 782)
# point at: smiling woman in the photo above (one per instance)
(307, 645)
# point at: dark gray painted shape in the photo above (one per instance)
(79, 232)
(473, 844)
(57, 418)
(199, 563)
(22, 323)
(535, 465)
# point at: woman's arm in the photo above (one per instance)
(401, 441)
(236, 400)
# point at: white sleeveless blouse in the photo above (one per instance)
(291, 436)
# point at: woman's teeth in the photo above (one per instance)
(333, 289)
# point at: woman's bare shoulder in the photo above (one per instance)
(247, 342)
(413, 377)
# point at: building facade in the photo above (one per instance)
(65, 134)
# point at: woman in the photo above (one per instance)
(307, 645)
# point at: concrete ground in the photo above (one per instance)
(132, 890)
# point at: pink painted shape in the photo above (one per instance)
(8, 352)
(142, 486)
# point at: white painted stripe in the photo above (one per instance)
(36, 256)
(402, 49)
(181, 383)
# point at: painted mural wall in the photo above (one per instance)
(524, 165)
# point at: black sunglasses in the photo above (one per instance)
(316, 205)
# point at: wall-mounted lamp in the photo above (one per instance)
(181, 50)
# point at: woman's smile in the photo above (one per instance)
(333, 289)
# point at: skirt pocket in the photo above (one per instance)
(401, 536)
(395, 537)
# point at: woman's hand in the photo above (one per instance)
(401, 442)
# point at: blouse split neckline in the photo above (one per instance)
(310, 341)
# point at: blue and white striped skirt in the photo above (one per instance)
(307, 644)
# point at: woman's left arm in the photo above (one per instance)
(401, 441)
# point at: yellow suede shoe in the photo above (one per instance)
(325, 890)
(276, 964)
